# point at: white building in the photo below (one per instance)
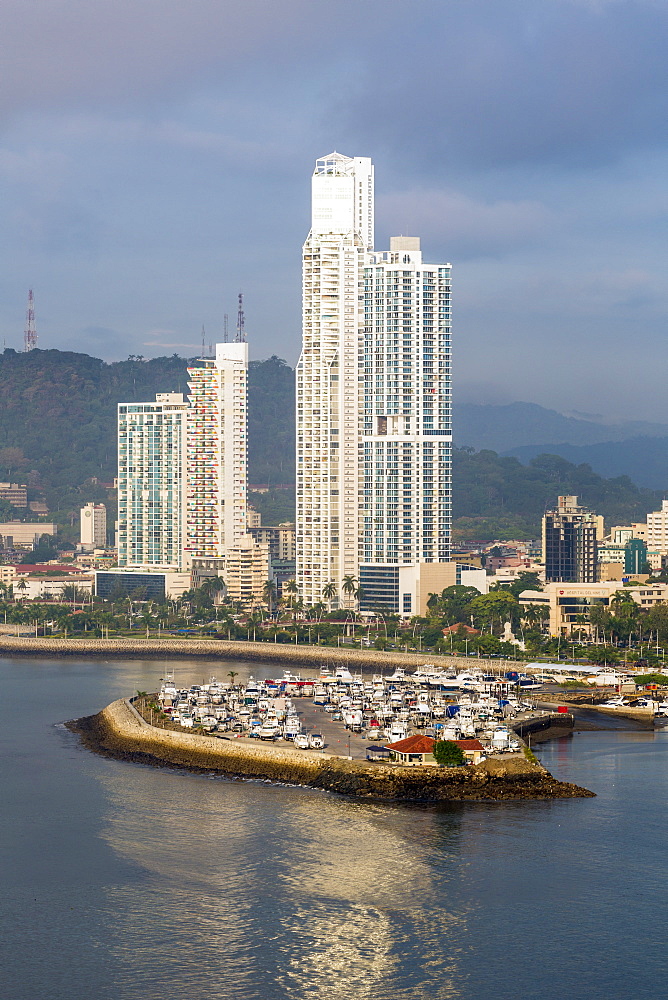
(93, 533)
(151, 483)
(217, 452)
(374, 434)
(657, 529)
(328, 430)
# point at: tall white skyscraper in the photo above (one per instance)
(151, 483)
(374, 433)
(328, 425)
(217, 452)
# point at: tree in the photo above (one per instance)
(447, 753)
(524, 581)
(494, 608)
(232, 674)
(349, 585)
(269, 593)
(329, 593)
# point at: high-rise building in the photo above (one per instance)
(571, 534)
(217, 452)
(373, 403)
(93, 533)
(328, 427)
(406, 415)
(151, 483)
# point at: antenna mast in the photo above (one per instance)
(226, 320)
(30, 333)
(241, 321)
(203, 340)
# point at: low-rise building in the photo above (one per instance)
(155, 586)
(14, 493)
(570, 604)
(24, 534)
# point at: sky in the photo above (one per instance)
(155, 160)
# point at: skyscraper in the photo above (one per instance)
(151, 483)
(328, 426)
(374, 433)
(217, 452)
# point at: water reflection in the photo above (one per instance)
(277, 892)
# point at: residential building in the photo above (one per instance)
(151, 483)
(246, 570)
(93, 530)
(14, 494)
(280, 539)
(571, 534)
(328, 427)
(7, 575)
(373, 402)
(656, 535)
(217, 452)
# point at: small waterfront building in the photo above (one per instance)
(414, 750)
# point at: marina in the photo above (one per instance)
(346, 714)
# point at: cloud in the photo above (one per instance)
(463, 226)
(489, 84)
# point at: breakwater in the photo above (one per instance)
(119, 731)
(217, 649)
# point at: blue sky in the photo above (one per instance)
(155, 159)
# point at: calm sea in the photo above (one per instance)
(122, 881)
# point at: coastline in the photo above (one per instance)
(118, 731)
(221, 649)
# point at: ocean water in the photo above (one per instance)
(124, 881)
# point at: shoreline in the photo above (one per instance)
(223, 649)
(118, 731)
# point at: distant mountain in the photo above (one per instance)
(643, 459)
(517, 425)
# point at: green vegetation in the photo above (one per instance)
(58, 434)
(496, 497)
(448, 754)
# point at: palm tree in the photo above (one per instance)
(22, 585)
(329, 593)
(348, 586)
(232, 674)
(269, 592)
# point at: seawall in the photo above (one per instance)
(119, 731)
(215, 649)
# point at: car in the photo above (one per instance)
(337, 717)
(317, 742)
(302, 741)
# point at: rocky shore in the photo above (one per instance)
(118, 731)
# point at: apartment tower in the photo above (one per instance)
(373, 403)
(151, 483)
(217, 452)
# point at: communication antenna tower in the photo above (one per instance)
(226, 322)
(30, 333)
(241, 321)
(203, 340)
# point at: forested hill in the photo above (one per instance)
(58, 418)
(58, 430)
(495, 497)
